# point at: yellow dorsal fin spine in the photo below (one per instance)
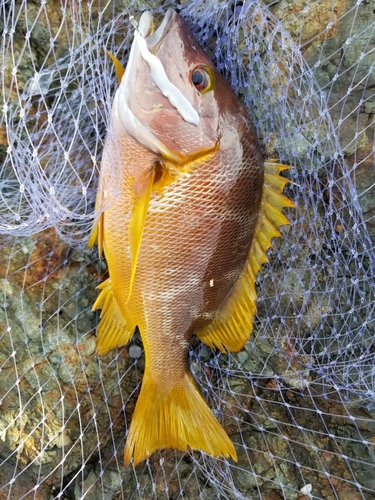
(178, 418)
(274, 198)
(274, 215)
(276, 181)
(232, 326)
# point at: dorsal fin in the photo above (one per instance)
(232, 326)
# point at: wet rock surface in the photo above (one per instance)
(288, 431)
(54, 389)
(337, 40)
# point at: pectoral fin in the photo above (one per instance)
(137, 224)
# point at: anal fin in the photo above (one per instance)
(114, 329)
(234, 323)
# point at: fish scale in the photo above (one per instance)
(186, 234)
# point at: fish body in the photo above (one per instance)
(182, 186)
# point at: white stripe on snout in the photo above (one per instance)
(170, 91)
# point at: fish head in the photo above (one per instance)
(172, 99)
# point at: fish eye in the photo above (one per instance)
(203, 79)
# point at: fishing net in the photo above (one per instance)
(299, 400)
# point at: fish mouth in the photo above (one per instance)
(155, 38)
(151, 70)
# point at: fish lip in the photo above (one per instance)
(154, 40)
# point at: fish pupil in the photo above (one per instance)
(202, 78)
(197, 78)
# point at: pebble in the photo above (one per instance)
(135, 351)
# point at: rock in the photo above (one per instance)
(135, 351)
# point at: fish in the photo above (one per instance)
(186, 211)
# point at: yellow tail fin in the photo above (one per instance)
(174, 417)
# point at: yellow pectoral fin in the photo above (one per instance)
(118, 67)
(137, 224)
(114, 329)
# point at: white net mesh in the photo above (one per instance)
(298, 401)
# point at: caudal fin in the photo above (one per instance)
(174, 417)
